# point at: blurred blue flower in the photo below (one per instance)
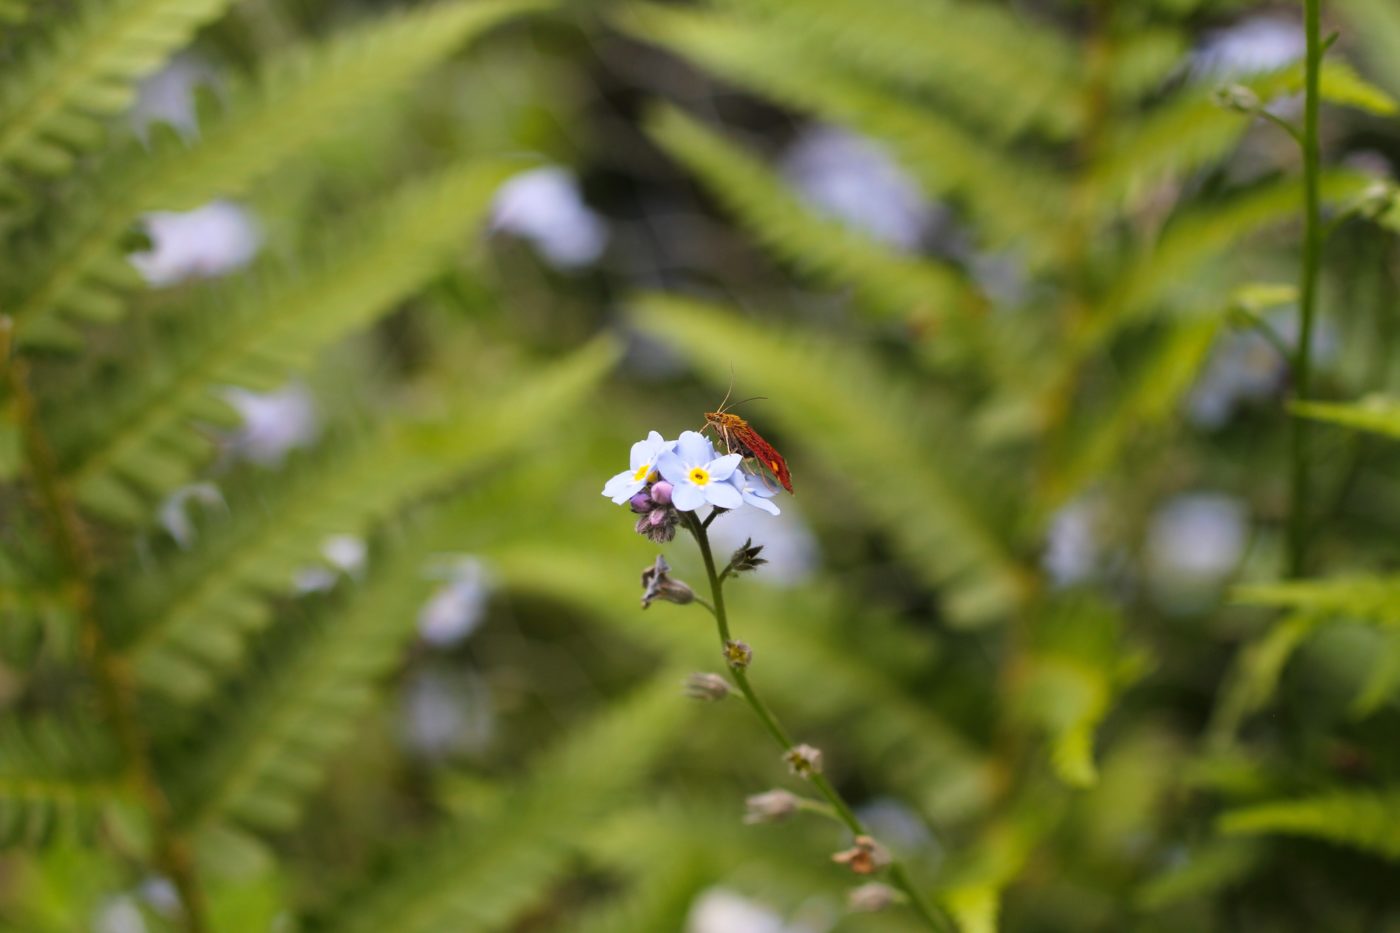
(854, 179)
(206, 242)
(698, 476)
(1253, 45)
(754, 490)
(545, 206)
(631, 481)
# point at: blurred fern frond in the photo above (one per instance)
(479, 877)
(1376, 25)
(53, 99)
(1158, 386)
(1172, 269)
(197, 618)
(309, 95)
(1192, 130)
(1074, 672)
(999, 70)
(902, 286)
(1378, 414)
(1362, 819)
(1015, 201)
(55, 779)
(273, 746)
(145, 445)
(1375, 598)
(1311, 604)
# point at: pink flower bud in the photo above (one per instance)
(661, 492)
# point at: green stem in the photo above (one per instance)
(1307, 293)
(842, 810)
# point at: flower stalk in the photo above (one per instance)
(841, 810)
(1307, 291)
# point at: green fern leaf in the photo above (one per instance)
(479, 877)
(1365, 820)
(1383, 680)
(898, 285)
(1341, 85)
(195, 619)
(86, 70)
(1151, 398)
(54, 781)
(1013, 200)
(1312, 604)
(307, 97)
(941, 529)
(146, 446)
(1376, 413)
(1375, 26)
(1213, 866)
(1254, 680)
(273, 747)
(998, 70)
(1074, 670)
(1170, 271)
(1191, 130)
(660, 899)
(1375, 599)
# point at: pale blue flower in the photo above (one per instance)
(645, 454)
(754, 490)
(698, 476)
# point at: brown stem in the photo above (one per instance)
(113, 678)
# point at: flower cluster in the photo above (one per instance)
(665, 478)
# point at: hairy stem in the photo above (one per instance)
(113, 681)
(842, 810)
(1307, 292)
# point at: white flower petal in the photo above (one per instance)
(672, 469)
(763, 504)
(723, 495)
(694, 449)
(687, 498)
(641, 453)
(622, 487)
(724, 467)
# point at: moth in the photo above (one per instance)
(740, 438)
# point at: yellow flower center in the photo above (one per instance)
(699, 476)
(641, 473)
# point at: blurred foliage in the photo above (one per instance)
(1060, 715)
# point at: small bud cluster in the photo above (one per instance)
(708, 687)
(657, 584)
(738, 655)
(864, 858)
(658, 517)
(746, 558)
(770, 806)
(871, 897)
(1237, 97)
(804, 760)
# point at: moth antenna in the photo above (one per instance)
(727, 392)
